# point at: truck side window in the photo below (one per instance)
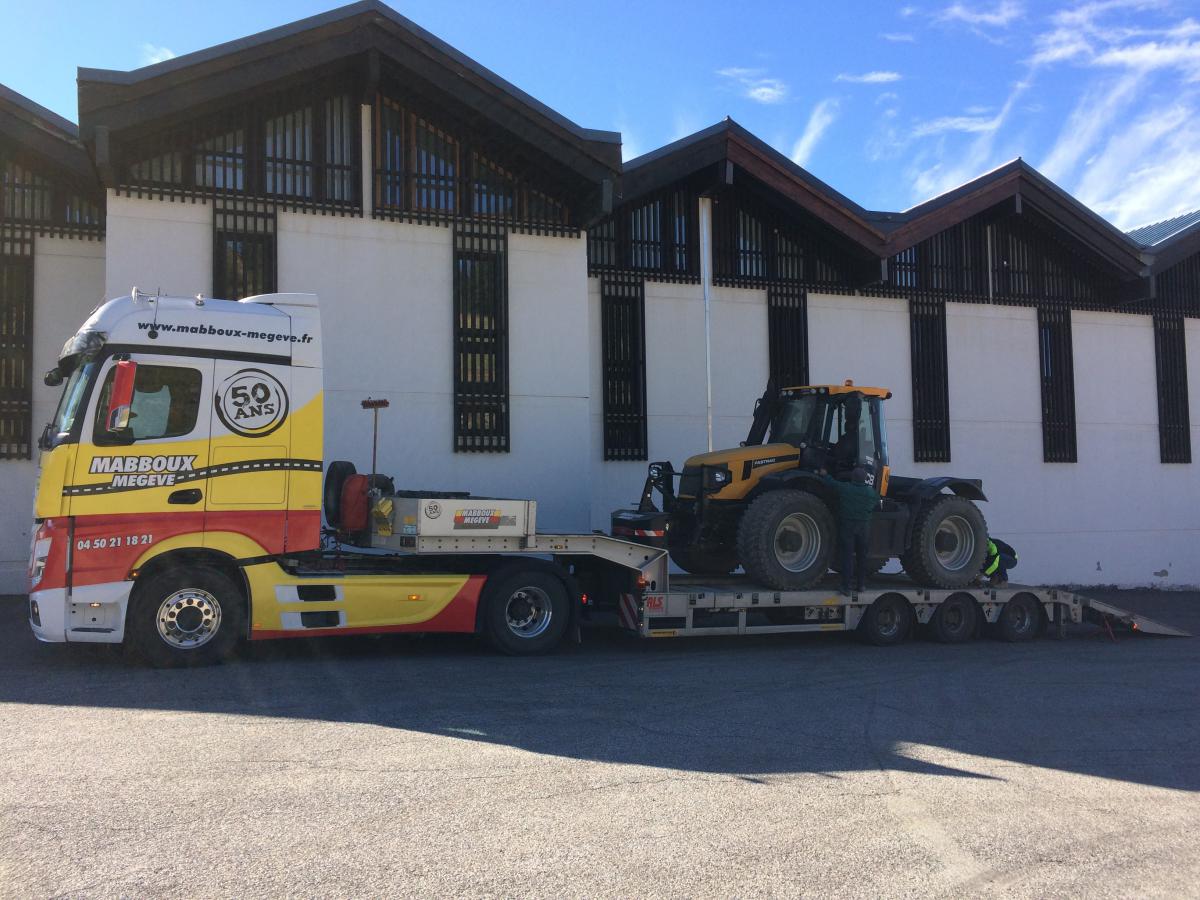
(166, 402)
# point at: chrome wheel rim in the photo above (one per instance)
(797, 542)
(887, 621)
(188, 619)
(1020, 617)
(954, 543)
(528, 612)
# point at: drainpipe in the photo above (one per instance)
(706, 283)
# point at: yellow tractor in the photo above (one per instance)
(765, 507)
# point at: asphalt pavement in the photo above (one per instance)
(786, 765)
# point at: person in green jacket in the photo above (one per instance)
(856, 503)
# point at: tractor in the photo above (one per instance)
(766, 505)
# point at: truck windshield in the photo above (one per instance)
(793, 422)
(70, 403)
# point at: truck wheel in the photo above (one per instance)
(786, 539)
(949, 542)
(887, 621)
(526, 612)
(956, 619)
(1020, 620)
(701, 563)
(185, 617)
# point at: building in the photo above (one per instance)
(535, 310)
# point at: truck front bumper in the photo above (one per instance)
(94, 614)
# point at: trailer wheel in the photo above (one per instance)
(1020, 620)
(956, 619)
(526, 612)
(187, 616)
(949, 542)
(887, 621)
(786, 539)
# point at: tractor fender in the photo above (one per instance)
(971, 488)
(794, 480)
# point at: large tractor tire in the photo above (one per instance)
(949, 542)
(698, 562)
(786, 540)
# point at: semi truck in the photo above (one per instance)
(184, 505)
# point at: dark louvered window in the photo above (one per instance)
(623, 337)
(1058, 384)
(16, 345)
(243, 250)
(481, 340)
(787, 334)
(1174, 425)
(930, 384)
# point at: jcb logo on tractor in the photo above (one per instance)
(251, 403)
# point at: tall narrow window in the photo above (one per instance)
(623, 339)
(221, 161)
(435, 169)
(243, 251)
(751, 255)
(339, 136)
(16, 345)
(930, 384)
(1174, 425)
(1058, 384)
(288, 151)
(481, 340)
(787, 334)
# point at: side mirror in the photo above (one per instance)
(121, 399)
(53, 378)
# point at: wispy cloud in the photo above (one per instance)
(823, 115)
(152, 54)
(756, 84)
(1093, 115)
(899, 37)
(870, 77)
(1000, 15)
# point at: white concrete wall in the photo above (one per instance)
(386, 303)
(68, 282)
(159, 245)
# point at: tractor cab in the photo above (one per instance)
(835, 427)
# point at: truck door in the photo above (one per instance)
(140, 478)
(250, 453)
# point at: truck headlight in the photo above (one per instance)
(37, 560)
(716, 479)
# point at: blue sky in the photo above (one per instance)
(889, 103)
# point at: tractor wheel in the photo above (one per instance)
(698, 562)
(786, 540)
(949, 542)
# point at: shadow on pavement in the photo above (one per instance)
(750, 707)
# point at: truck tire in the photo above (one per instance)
(526, 612)
(1020, 620)
(949, 542)
(187, 616)
(335, 476)
(701, 563)
(887, 621)
(785, 539)
(956, 619)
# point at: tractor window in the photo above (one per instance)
(794, 422)
(166, 402)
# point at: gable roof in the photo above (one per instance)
(1159, 232)
(729, 142)
(363, 31)
(43, 134)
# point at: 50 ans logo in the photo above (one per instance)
(251, 402)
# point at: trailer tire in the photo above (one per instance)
(887, 621)
(335, 476)
(1020, 620)
(526, 612)
(949, 542)
(956, 619)
(187, 616)
(785, 523)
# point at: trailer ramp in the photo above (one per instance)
(1135, 621)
